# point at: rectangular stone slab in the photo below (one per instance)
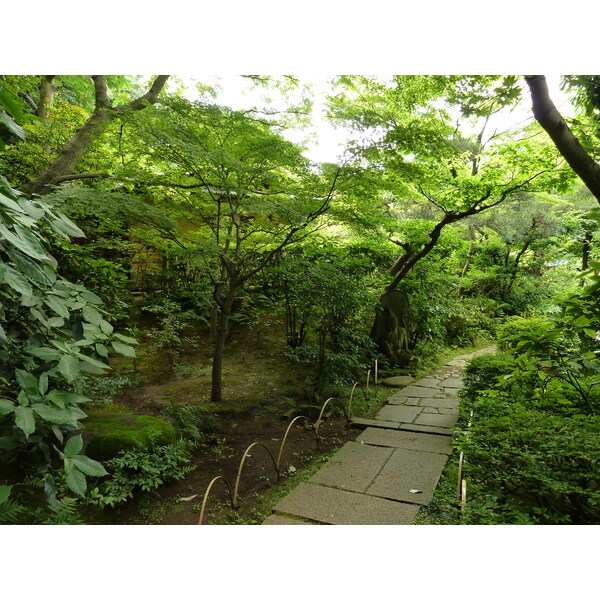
(340, 507)
(354, 467)
(414, 391)
(436, 420)
(440, 402)
(400, 414)
(425, 429)
(409, 470)
(360, 423)
(409, 440)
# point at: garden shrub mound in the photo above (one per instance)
(110, 433)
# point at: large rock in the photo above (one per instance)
(107, 434)
(397, 381)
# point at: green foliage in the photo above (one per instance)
(52, 332)
(140, 470)
(169, 337)
(527, 467)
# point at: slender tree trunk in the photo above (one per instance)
(547, 115)
(47, 91)
(216, 394)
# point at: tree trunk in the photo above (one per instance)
(547, 115)
(79, 144)
(47, 91)
(216, 394)
(585, 255)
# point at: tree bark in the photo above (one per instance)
(47, 91)
(216, 394)
(79, 144)
(547, 115)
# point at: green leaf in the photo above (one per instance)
(4, 492)
(46, 353)
(25, 419)
(89, 466)
(43, 383)
(106, 327)
(57, 305)
(74, 446)
(27, 381)
(91, 297)
(591, 333)
(123, 349)
(12, 126)
(12, 104)
(93, 362)
(69, 367)
(62, 398)
(6, 406)
(76, 481)
(126, 339)
(101, 350)
(60, 416)
(92, 315)
(16, 281)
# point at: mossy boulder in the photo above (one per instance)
(109, 433)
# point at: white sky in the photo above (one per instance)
(328, 142)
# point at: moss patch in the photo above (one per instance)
(109, 433)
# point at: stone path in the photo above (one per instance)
(393, 466)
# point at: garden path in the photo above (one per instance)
(392, 468)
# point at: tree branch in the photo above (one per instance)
(547, 115)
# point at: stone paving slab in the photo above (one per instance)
(436, 420)
(405, 401)
(425, 429)
(281, 520)
(413, 391)
(440, 402)
(353, 467)
(452, 382)
(408, 440)
(408, 470)
(430, 382)
(360, 423)
(403, 414)
(341, 507)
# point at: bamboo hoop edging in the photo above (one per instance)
(287, 432)
(240, 468)
(320, 419)
(207, 492)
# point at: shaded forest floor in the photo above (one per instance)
(260, 386)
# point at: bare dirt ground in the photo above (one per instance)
(260, 387)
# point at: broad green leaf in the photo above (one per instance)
(106, 327)
(62, 398)
(126, 339)
(4, 200)
(24, 245)
(101, 350)
(27, 381)
(50, 492)
(69, 367)
(63, 225)
(4, 492)
(89, 466)
(9, 443)
(590, 332)
(93, 361)
(12, 104)
(123, 349)
(91, 314)
(46, 353)
(3, 338)
(12, 126)
(43, 383)
(17, 282)
(91, 297)
(25, 419)
(55, 322)
(76, 481)
(74, 445)
(60, 416)
(6, 406)
(57, 305)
